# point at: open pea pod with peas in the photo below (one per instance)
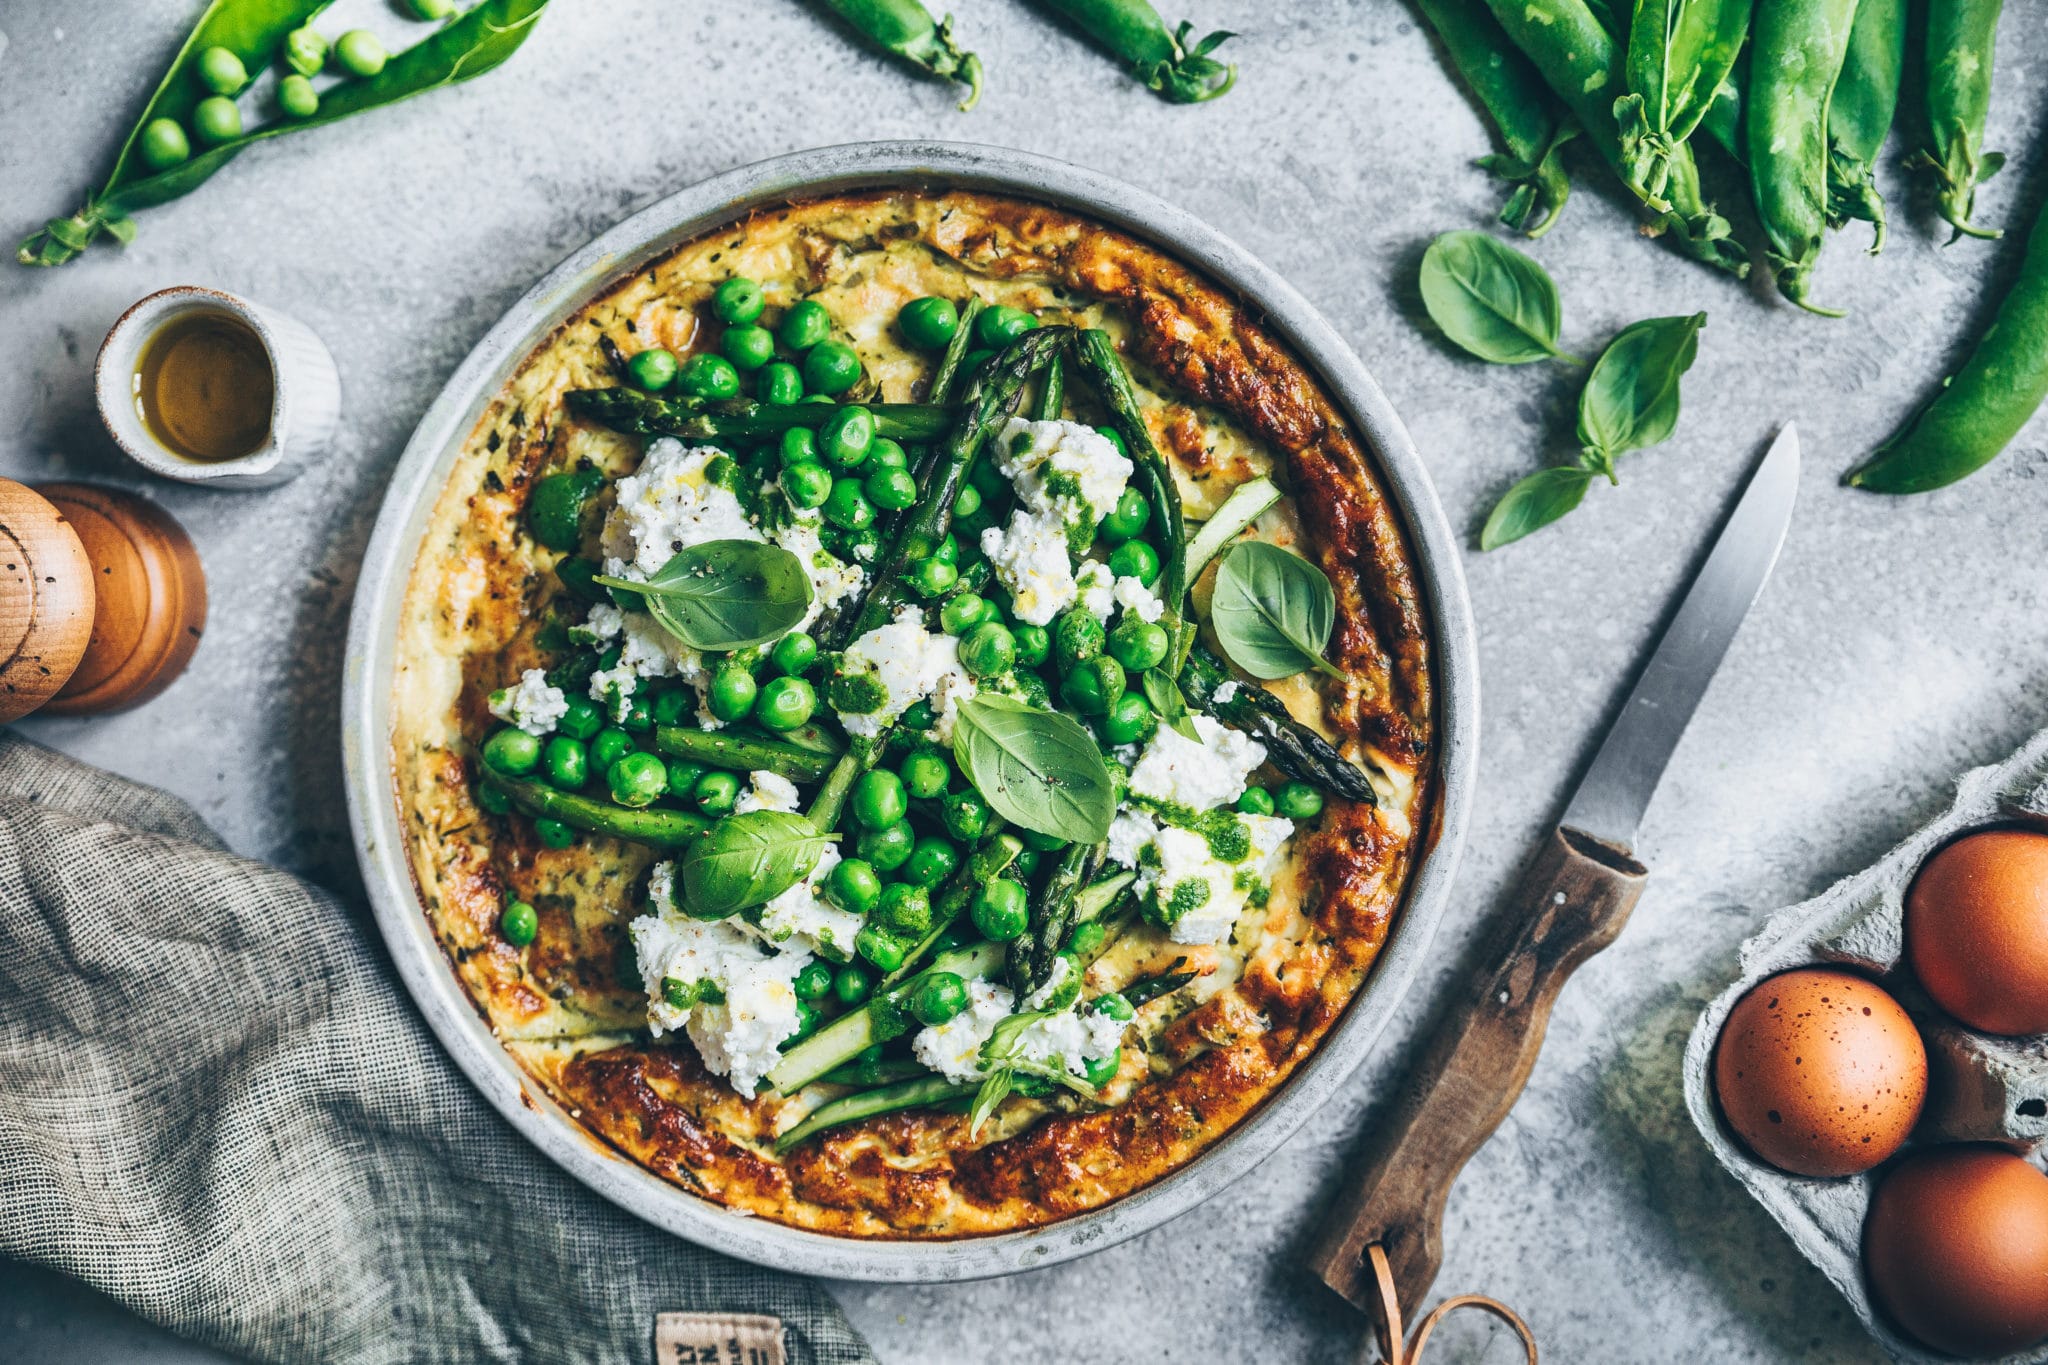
(159, 161)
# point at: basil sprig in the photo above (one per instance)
(1038, 769)
(1492, 300)
(1630, 402)
(746, 860)
(1273, 611)
(1003, 1061)
(725, 594)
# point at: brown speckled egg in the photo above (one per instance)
(1977, 930)
(1820, 1072)
(1956, 1250)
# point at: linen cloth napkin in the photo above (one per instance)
(217, 1106)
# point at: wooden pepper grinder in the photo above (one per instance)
(102, 600)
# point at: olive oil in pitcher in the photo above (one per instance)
(203, 387)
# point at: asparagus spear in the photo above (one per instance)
(668, 830)
(948, 372)
(1291, 747)
(1144, 992)
(742, 419)
(1032, 954)
(920, 1093)
(723, 749)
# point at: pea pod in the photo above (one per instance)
(1531, 126)
(1860, 114)
(253, 30)
(1165, 63)
(669, 830)
(1961, 35)
(1800, 48)
(1722, 123)
(905, 29)
(1984, 404)
(1679, 53)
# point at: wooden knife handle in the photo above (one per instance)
(1574, 899)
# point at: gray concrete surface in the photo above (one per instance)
(1900, 642)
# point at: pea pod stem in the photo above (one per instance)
(1983, 405)
(1800, 50)
(1166, 63)
(668, 830)
(922, 1092)
(741, 753)
(1291, 747)
(1679, 53)
(905, 29)
(1961, 36)
(1860, 114)
(643, 414)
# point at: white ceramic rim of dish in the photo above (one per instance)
(417, 483)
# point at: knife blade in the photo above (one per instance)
(1615, 792)
(1573, 899)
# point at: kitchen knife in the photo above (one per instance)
(1571, 902)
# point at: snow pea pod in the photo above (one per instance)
(1165, 63)
(1679, 54)
(1800, 48)
(1983, 405)
(904, 28)
(1860, 114)
(1960, 38)
(1524, 113)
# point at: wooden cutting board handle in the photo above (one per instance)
(1572, 901)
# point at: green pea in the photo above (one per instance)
(360, 53)
(971, 363)
(1135, 559)
(653, 369)
(216, 120)
(1256, 801)
(305, 51)
(846, 436)
(1114, 1006)
(639, 715)
(804, 325)
(997, 327)
(1034, 644)
(705, 375)
(961, 613)
(610, 745)
(1129, 720)
(1086, 942)
(1115, 438)
(879, 799)
(637, 779)
(931, 862)
(1076, 638)
(795, 653)
(875, 943)
(553, 833)
(988, 480)
(847, 506)
(221, 71)
(925, 773)
(967, 501)
(785, 704)
(919, 716)
(831, 367)
(852, 983)
(491, 799)
(683, 774)
(1094, 686)
(904, 909)
(948, 551)
(566, 762)
(892, 490)
(928, 323)
(887, 454)
(715, 793)
(988, 650)
(1026, 864)
(1100, 1071)
(781, 384)
(748, 348)
(1139, 645)
(519, 924)
(965, 815)
(732, 693)
(1001, 910)
(1127, 519)
(297, 97)
(860, 546)
(934, 577)
(737, 302)
(940, 997)
(798, 445)
(1298, 801)
(814, 982)
(673, 706)
(888, 848)
(164, 144)
(512, 751)
(809, 485)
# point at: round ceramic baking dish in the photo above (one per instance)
(424, 468)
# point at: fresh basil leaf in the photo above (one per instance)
(1631, 398)
(1038, 769)
(1491, 300)
(725, 594)
(1273, 611)
(1169, 703)
(1534, 503)
(746, 860)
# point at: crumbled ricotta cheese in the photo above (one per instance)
(1200, 774)
(669, 944)
(1096, 587)
(803, 912)
(1130, 833)
(953, 1049)
(531, 704)
(1226, 692)
(911, 664)
(1070, 1039)
(1200, 896)
(600, 626)
(1137, 599)
(1062, 466)
(1029, 557)
(646, 651)
(669, 504)
(767, 791)
(833, 580)
(739, 1033)
(1054, 980)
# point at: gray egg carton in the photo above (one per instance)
(1980, 1088)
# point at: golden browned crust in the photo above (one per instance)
(1230, 394)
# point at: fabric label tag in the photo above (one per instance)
(718, 1339)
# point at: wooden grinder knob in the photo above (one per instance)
(151, 599)
(46, 600)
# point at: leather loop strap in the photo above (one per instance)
(1388, 1327)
